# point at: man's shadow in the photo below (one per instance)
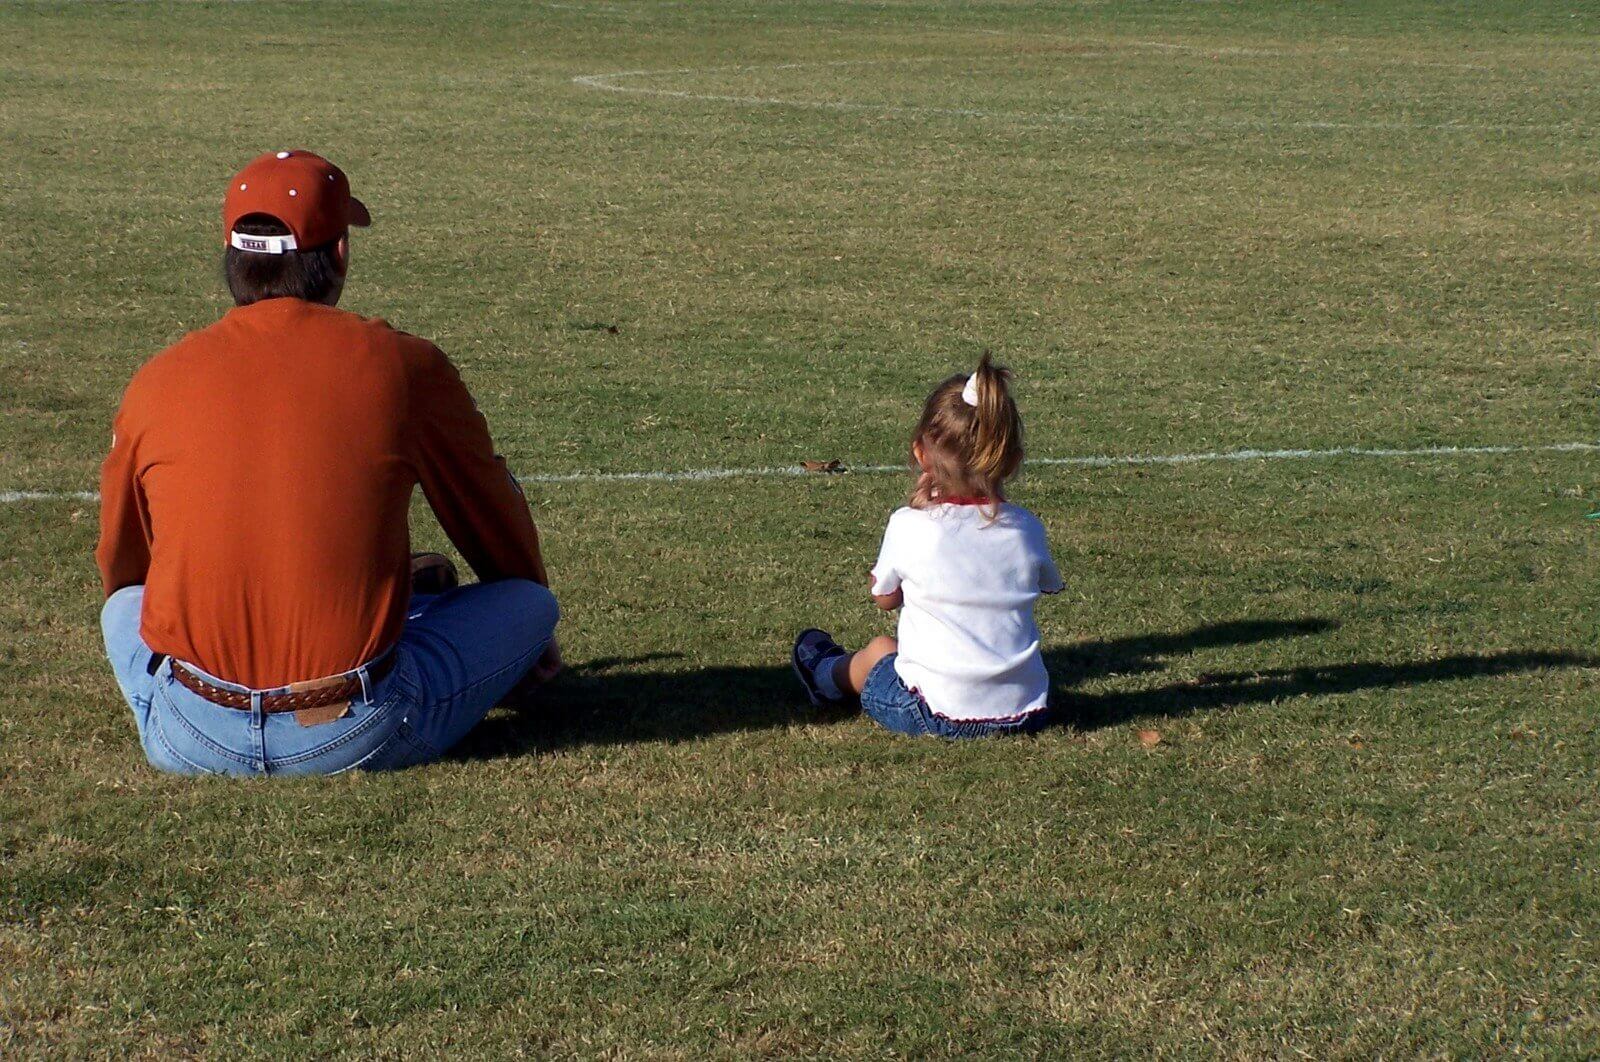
(612, 701)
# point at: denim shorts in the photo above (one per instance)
(887, 700)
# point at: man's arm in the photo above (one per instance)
(478, 503)
(123, 554)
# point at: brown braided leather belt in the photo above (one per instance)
(298, 697)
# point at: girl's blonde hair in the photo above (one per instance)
(968, 451)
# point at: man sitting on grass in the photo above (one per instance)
(254, 545)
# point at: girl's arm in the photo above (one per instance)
(887, 602)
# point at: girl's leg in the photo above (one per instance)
(850, 672)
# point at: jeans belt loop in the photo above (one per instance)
(258, 718)
(366, 683)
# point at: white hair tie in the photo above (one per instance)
(969, 393)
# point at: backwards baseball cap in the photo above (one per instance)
(309, 194)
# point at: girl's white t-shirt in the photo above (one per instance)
(968, 641)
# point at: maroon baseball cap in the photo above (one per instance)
(309, 194)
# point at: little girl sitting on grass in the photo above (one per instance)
(965, 567)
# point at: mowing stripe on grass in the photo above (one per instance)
(696, 475)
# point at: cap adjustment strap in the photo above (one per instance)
(262, 244)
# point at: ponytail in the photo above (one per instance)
(997, 429)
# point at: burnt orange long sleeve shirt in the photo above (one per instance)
(258, 485)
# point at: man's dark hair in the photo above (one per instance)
(306, 274)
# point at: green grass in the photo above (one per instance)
(1370, 827)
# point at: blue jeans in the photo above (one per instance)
(886, 699)
(459, 654)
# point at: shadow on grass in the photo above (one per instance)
(1234, 689)
(1073, 666)
(609, 701)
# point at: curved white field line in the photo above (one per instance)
(606, 83)
(624, 81)
(696, 475)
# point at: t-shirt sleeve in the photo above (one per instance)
(472, 492)
(1050, 581)
(123, 554)
(888, 572)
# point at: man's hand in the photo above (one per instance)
(549, 665)
(524, 694)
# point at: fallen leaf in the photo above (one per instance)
(1149, 738)
(826, 467)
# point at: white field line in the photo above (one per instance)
(609, 82)
(698, 475)
(1131, 460)
(11, 497)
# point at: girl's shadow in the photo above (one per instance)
(1072, 666)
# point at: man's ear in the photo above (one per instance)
(341, 255)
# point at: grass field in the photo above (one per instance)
(1370, 826)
